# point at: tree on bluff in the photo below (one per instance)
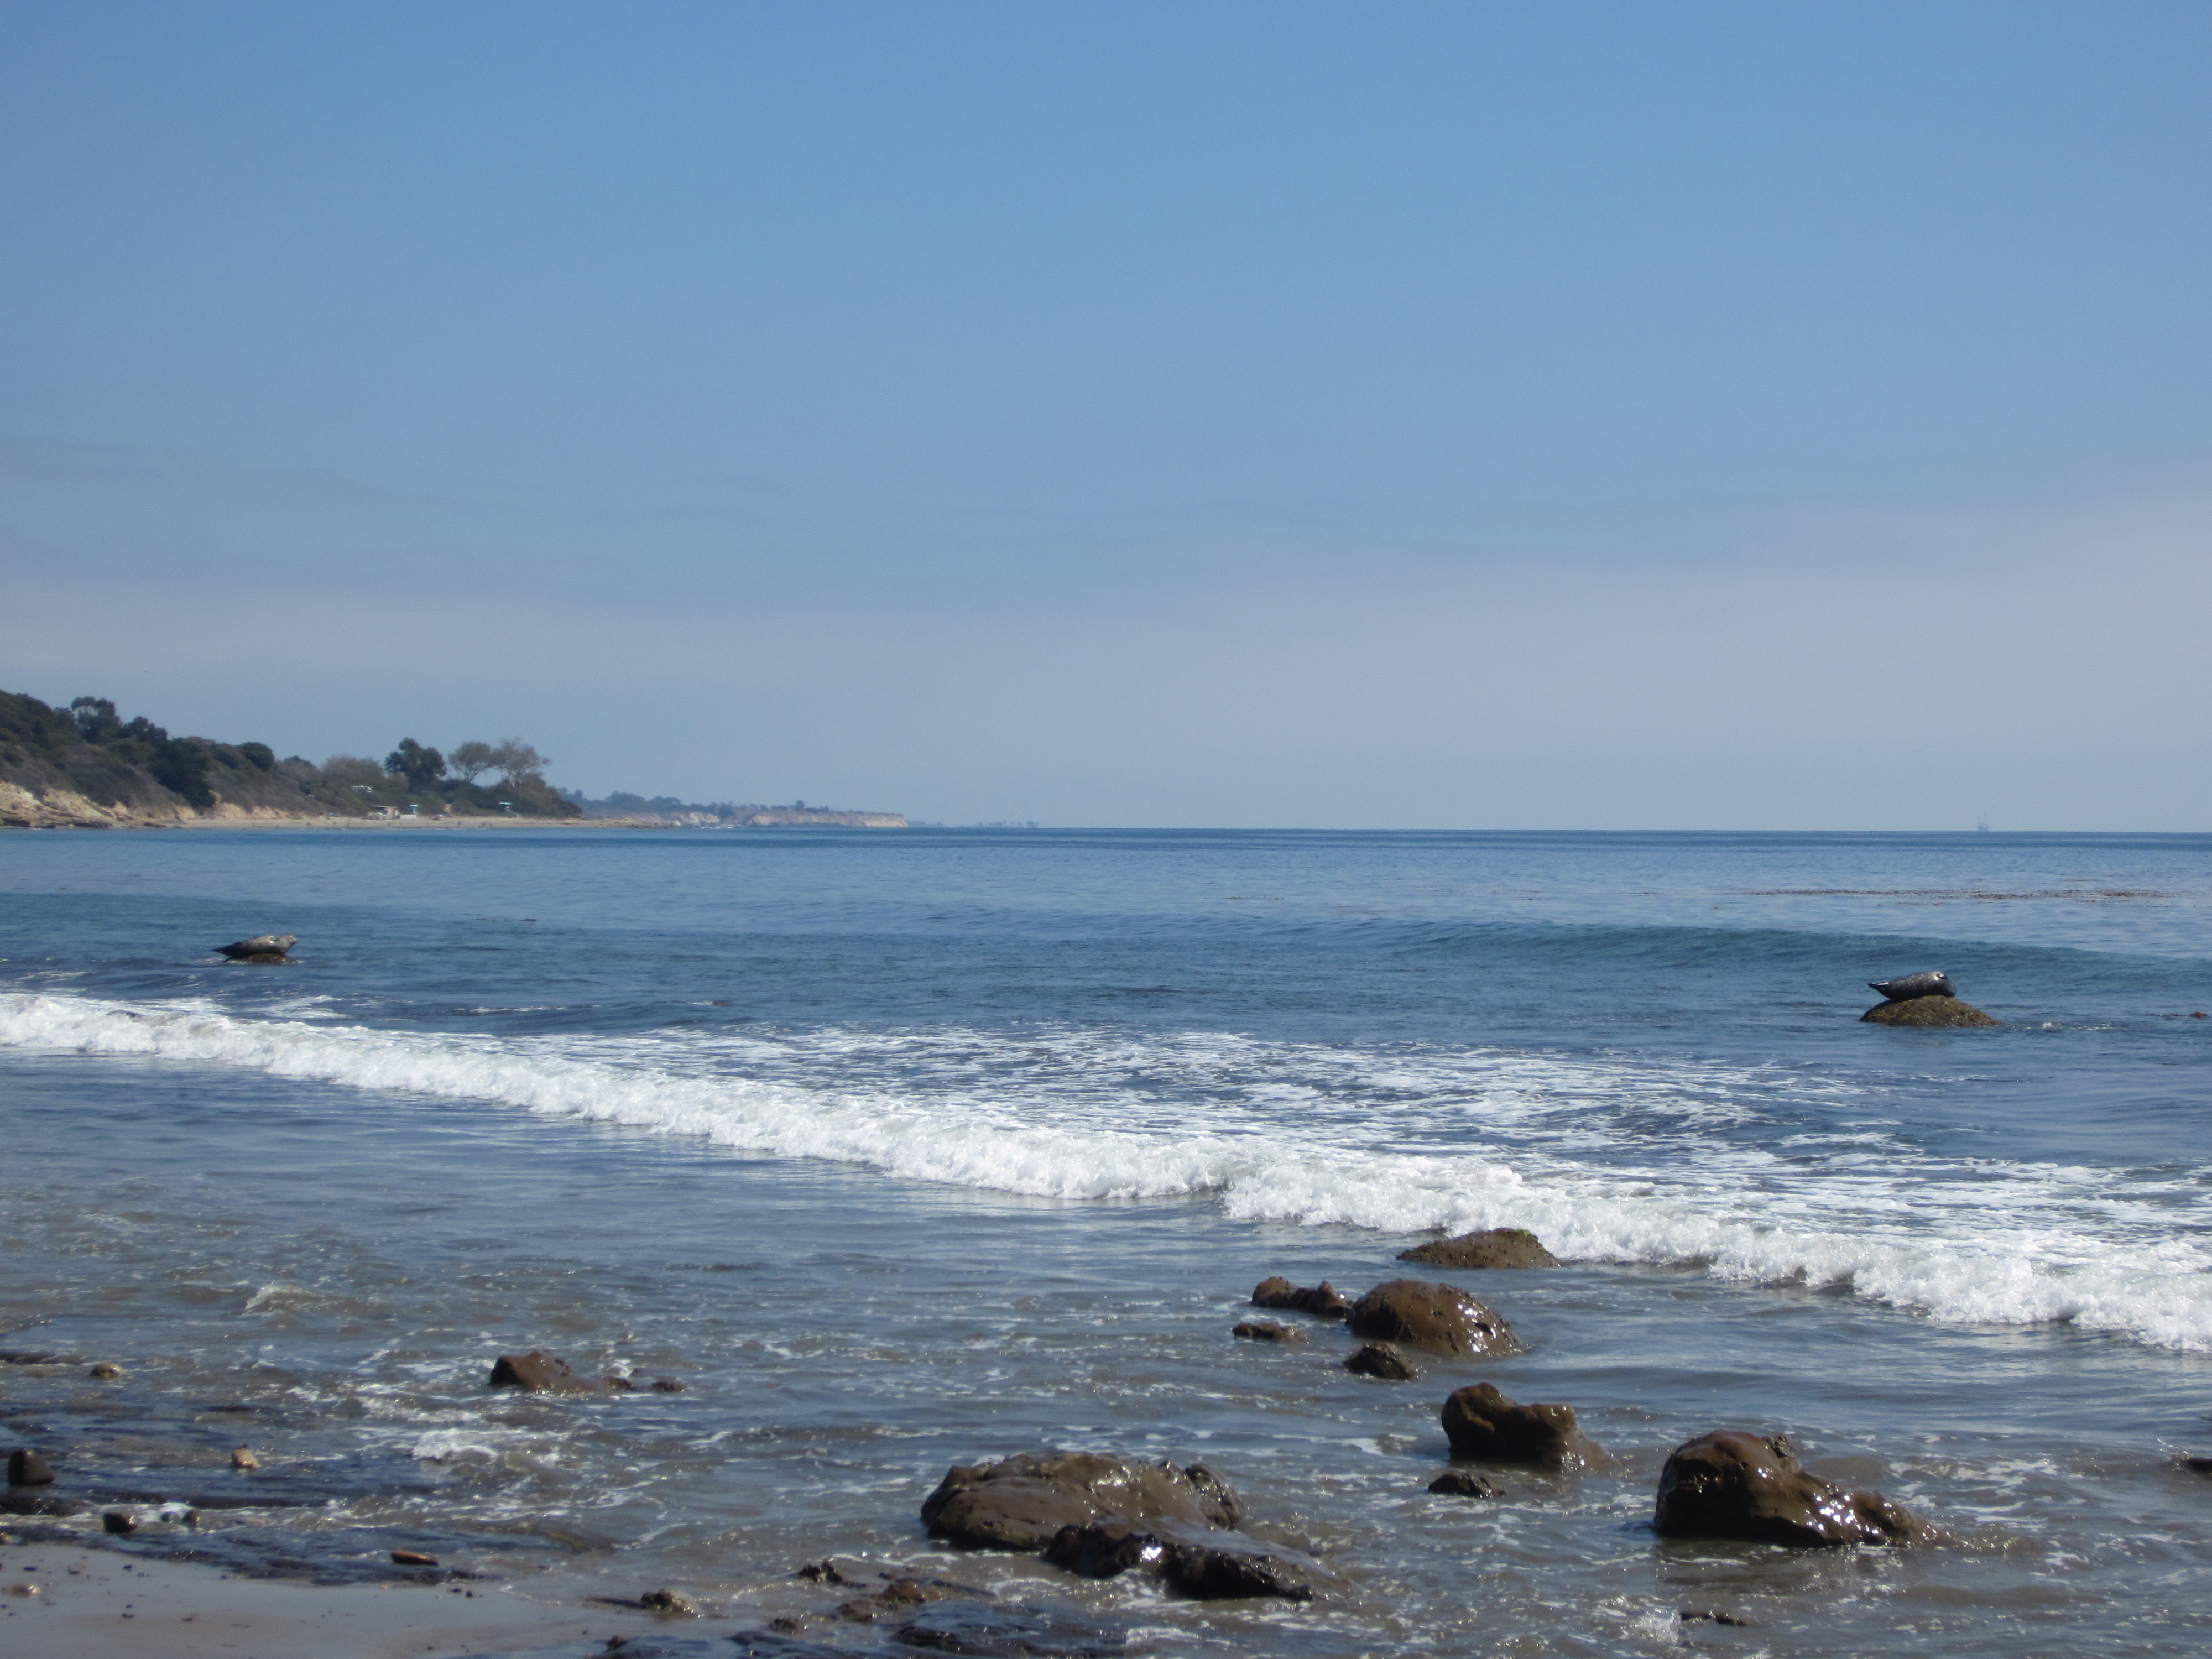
(422, 767)
(471, 760)
(517, 760)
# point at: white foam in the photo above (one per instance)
(1608, 1160)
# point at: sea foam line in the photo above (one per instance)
(2036, 1258)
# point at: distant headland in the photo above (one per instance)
(85, 766)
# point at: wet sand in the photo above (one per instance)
(94, 1603)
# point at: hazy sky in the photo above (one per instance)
(1615, 415)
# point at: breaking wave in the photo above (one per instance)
(1612, 1160)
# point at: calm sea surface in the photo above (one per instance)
(905, 1149)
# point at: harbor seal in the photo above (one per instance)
(1935, 984)
(262, 947)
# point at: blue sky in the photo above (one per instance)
(1607, 416)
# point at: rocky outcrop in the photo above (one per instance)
(1381, 1362)
(1484, 1426)
(27, 1468)
(1022, 1503)
(1202, 1562)
(540, 1373)
(1928, 1010)
(1323, 1300)
(1494, 1246)
(1437, 1317)
(1732, 1484)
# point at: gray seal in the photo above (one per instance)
(1935, 984)
(261, 945)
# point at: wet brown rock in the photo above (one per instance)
(1458, 1483)
(1928, 1010)
(1497, 1247)
(1735, 1485)
(2197, 1465)
(27, 1468)
(119, 1521)
(668, 1602)
(614, 1384)
(1484, 1426)
(540, 1373)
(1267, 1330)
(244, 1461)
(1021, 1503)
(413, 1558)
(1437, 1317)
(666, 1385)
(1198, 1561)
(105, 1372)
(1382, 1361)
(1692, 1615)
(1323, 1300)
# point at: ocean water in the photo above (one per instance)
(901, 1149)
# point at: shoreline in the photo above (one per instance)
(93, 1600)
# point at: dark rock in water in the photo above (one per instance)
(30, 1500)
(666, 1385)
(262, 947)
(1202, 1562)
(1382, 1361)
(1927, 1011)
(540, 1373)
(1495, 1247)
(413, 1558)
(614, 1384)
(1021, 1503)
(993, 1631)
(27, 1468)
(119, 1521)
(1735, 1485)
(1458, 1483)
(1692, 1615)
(772, 1643)
(1484, 1426)
(1935, 984)
(2197, 1465)
(1267, 1330)
(668, 1602)
(1323, 1300)
(1438, 1317)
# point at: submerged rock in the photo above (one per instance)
(1021, 1503)
(1437, 1317)
(997, 1630)
(1928, 1010)
(1731, 1484)
(1323, 1300)
(1381, 1362)
(1459, 1483)
(1493, 1247)
(540, 1373)
(262, 947)
(1484, 1426)
(1266, 1330)
(1202, 1562)
(27, 1468)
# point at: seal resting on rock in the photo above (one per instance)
(262, 947)
(1936, 983)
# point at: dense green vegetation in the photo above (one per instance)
(90, 750)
